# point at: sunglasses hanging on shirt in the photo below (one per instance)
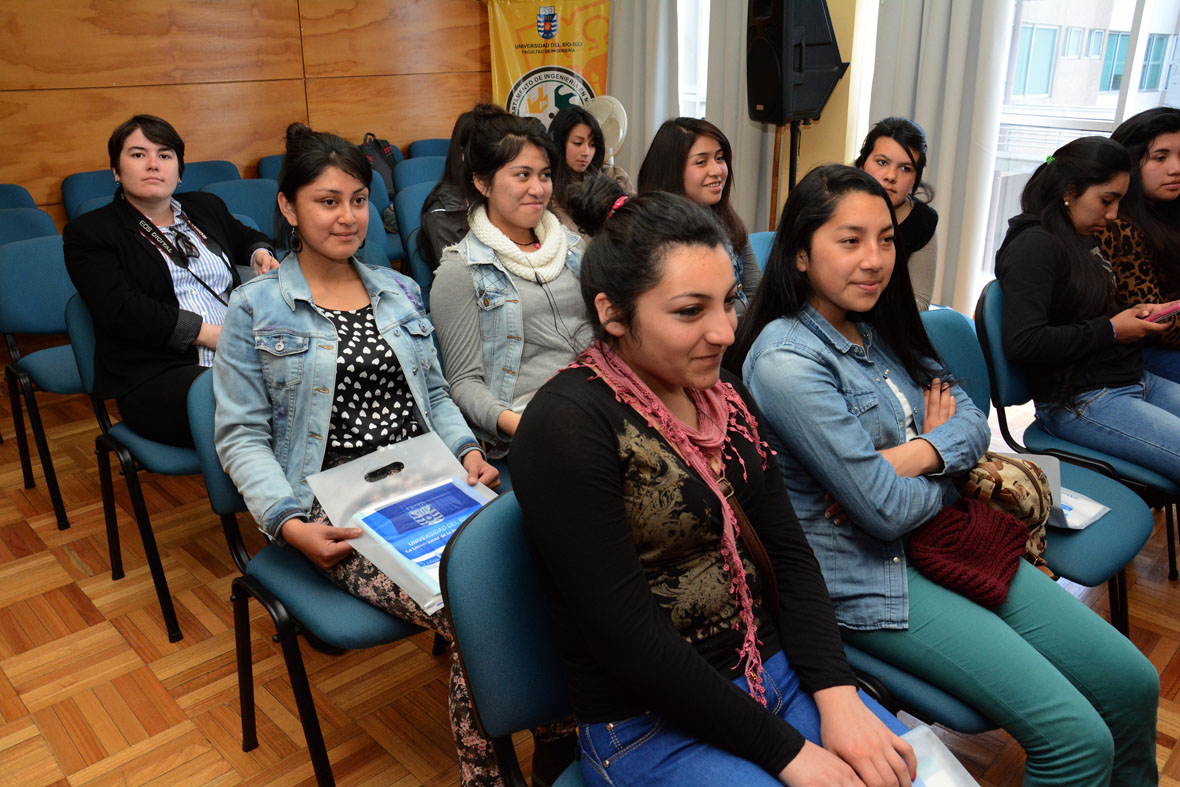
(184, 250)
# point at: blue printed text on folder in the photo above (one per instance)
(420, 526)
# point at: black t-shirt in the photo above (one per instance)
(1050, 344)
(628, 542)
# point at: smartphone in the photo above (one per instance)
(1165, 312)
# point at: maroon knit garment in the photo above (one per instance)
(971, 549)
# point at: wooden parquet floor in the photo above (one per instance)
(92, 692)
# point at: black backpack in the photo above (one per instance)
(383, 156)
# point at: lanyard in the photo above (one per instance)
(157, 238)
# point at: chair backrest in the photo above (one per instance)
(429, 147)
(762, 241)
(34, 286)
(953, 337)
(378, 194)
(407, 204)
(223, 495)
(501, 621)
(198, 174)
(81, 186)
(13, 195)
(269, 166)
(1009, 386)
(375, 249)
(80, 327)
(254, 197)
(424, 169)
(24, 223)
(248, 221)
(94, 203)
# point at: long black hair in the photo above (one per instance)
(912, 139)
(1069, 172)
(663, 169)
(590, 202)
(563, 124)
(626, 258)
(785, 290)
(1159, 221)
(454, 175)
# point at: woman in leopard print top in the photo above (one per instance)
(1143, 244)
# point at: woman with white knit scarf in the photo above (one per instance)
(506, 301)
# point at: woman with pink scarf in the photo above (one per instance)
(698, 640)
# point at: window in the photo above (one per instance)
(1094, 45)
(1153, 62)
(1113, 62)
(1034, 60)
(1072, 47)
(692, 21)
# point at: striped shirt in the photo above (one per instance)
(213, 269)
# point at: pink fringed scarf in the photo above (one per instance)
(721, 413)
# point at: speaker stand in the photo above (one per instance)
(793, 164)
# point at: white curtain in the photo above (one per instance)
(943, 64)
(726, 108)
(642, 72)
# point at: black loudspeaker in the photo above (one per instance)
(792, 60)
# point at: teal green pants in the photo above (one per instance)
(1076, 694)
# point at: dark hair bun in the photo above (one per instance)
(591, 200)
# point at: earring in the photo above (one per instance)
(294, 242)
(1067, 203)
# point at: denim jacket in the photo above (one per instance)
(829, 410)
(274, 378)
(501, 322)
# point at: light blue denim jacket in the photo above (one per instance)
(274, 378)
(829, 410)
(501, 322)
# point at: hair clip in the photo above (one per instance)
(618, 204)
(1049, 159)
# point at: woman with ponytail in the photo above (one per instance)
(1082, 350)
(505, 298)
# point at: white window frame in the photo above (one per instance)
(1095, 52)
(1072, 43)
(1052, 59)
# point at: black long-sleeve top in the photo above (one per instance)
(628, 542)
(1040, 335)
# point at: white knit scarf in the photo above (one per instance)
(546, 263)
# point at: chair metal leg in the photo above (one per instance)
(241, 601)
(59, 509)
(108, 507)
(1120, 616)
(1170, 527)
(288, 637)
(150, 550)
(18, 426)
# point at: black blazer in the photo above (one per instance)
(140, 329)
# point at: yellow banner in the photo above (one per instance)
(548, 56)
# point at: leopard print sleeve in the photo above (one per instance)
(1136, 280)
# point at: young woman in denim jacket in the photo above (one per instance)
(505, 299)
(323, 361)
(870, 434)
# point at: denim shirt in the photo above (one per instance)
(275, 373)
(501, 322)
(829, 410)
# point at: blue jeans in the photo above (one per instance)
(647, 750)
(1076, 694)
(1139, 423)
(1162, 362)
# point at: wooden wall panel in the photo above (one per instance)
(347, 38)
(104, 43)
(404, 108)
(40, 143)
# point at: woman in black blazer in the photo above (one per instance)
(155, 269)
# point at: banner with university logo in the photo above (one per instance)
(548, 55)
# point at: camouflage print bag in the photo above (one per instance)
(1017, 487)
